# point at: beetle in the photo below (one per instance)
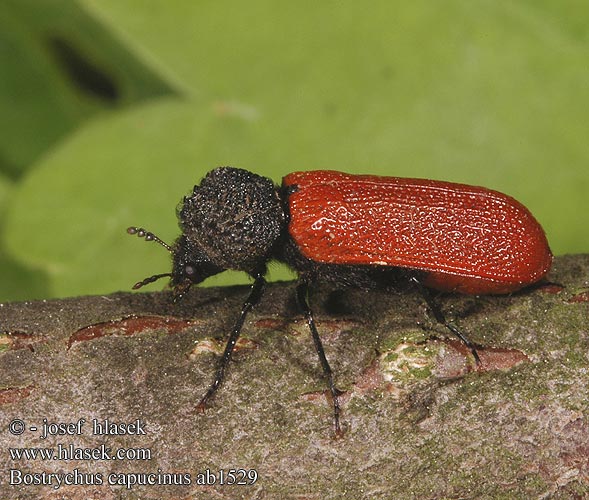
(360, 230)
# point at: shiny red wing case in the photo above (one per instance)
(469, 239)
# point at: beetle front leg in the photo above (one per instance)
(302, 299)
(254, 297)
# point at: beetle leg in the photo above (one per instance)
(302, 299)
(440, 318)
(257, 290)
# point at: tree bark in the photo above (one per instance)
(421, 419)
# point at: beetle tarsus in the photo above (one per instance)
(202, 405)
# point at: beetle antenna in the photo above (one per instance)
(149, 236)
(151, 279)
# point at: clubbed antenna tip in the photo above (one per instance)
(142, 233)
(149, 236)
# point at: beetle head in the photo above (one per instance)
(190, 267)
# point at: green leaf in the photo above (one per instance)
(488, 93)
(59, 67)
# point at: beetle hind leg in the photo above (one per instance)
(440, 318)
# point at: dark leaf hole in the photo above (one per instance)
(82, 71)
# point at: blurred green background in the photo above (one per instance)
(111, 110)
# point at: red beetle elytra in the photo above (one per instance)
(359, 230)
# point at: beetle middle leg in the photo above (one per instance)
(440, 318)
(302, 292)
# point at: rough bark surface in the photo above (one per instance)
(421, 419)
